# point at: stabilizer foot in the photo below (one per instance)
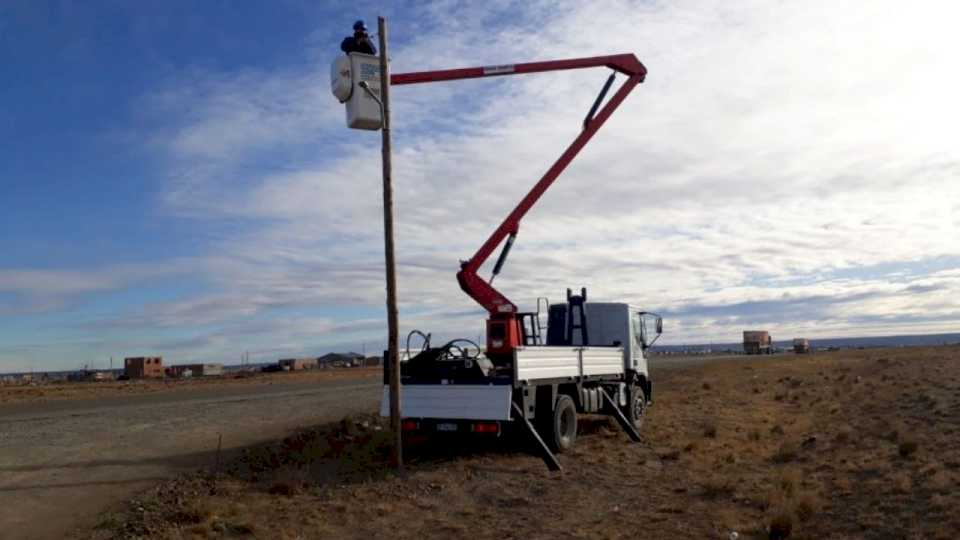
(621, 419)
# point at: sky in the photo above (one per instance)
(176, 178)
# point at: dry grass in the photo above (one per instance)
(820, 462)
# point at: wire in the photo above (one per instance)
(460, 349)
(424, 346)
(455, 349)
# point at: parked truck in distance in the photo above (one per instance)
(757, 342)
(801, 346)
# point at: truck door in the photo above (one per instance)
(636, 343)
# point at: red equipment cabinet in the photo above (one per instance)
(504, 328)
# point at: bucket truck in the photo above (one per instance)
(588, 358)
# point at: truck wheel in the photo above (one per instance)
(563, 430)
(636, 406)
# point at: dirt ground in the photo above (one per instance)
(43, 392)
(63, 461)
(852, 444)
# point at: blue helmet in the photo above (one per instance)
(359, 25)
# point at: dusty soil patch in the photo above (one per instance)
(856, 444)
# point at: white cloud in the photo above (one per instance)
(46, 289)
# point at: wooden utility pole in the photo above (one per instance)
(392, 323)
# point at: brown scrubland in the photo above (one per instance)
(847, 444)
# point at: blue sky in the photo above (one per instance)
(176, 179)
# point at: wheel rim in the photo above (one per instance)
(566, 421)
(638, 405)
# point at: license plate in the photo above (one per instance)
(446, 426)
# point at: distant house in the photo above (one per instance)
(341, 359)
(90, 376)
(297, 364)
(194, 370)
(143, 367)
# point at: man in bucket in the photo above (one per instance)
(360, 41)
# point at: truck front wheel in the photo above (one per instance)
(636, 405)
(563, 431)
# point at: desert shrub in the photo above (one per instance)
(908, 448)
(710, 430)
(715, 488)
(781, 525)
(189, 514)
(939, 502)
(940, 481)
(786, 453)
(754, 435)
(671, 455)
(284, 487)
(805, 506)
(901, 484)
(706, 386)
(788, 482)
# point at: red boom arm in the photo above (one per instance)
(479, 289)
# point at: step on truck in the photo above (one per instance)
(591, 358)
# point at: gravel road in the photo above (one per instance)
(63, 462)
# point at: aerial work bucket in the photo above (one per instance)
(346, 74)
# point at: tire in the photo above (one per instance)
(563, 429)
(636, 406)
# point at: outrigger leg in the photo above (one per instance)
(545, 453)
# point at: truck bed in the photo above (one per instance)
(532, 364)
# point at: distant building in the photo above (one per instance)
(349, 359)
(297, 364)
(801, 346)
(90, 376)
(194, 370)
(757, 342)
(143, 367)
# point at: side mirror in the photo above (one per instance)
(658, 326)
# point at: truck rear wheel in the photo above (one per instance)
(563, 429)
(636, 406)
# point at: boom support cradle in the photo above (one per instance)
(503, 326)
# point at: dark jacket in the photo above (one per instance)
(360, 44)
